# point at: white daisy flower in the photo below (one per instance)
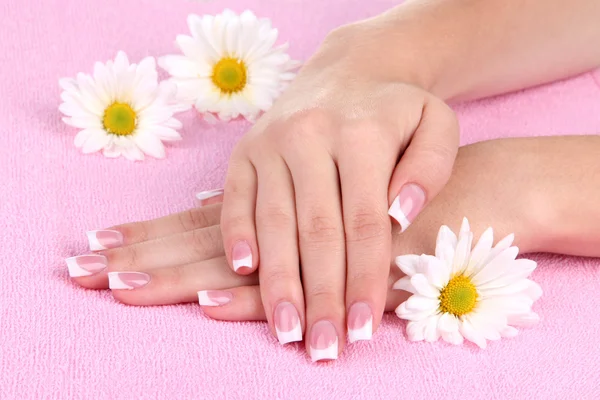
(121, 109)
(229, 65)
(480, 294)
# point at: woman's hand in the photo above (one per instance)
(313, 180)
(506, 184)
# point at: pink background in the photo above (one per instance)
(58, 341)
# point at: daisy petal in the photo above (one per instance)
(509, 332)
(524, 320)
(497, 267)
(422, 303)
(95, 143)
(436, 271)
(404, 284)
(150, 145)
(432, 334)
(454, 338)
(422, 286)
(500, 247)
(469, 333)
(480, 252)
(533, 291)
(408, 264)
(415, 330)
(448, 323)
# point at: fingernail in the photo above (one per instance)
(86, 265)
(323, 341)
(242, 256)
(214, 297)
(407, 205)
(209, 194)
(104, 239)
(127, 280)
(360, 322)
(287, 323)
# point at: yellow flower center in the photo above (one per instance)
(230, 75)
(119, 119)
(459, 297)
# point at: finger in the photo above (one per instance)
(279, 270)
(322, 251)
(142, 231)
(237, 217)
(176, 284)
(426, 165)
(236, 304)
(208, 197)
(364, 180)
(178, 249)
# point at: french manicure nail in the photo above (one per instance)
(323, 341)
(104, 239)
(407, 205)
(86, 265)
(127, 280)
(209, 194)
(214, 298)
(360, 322)
(241, 255)
(287, 323)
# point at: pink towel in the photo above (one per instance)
(59, 341)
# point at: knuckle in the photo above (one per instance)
(367, 278)
(123, 259)
(274, 218)
(192, 219)
(322, 293)
(200, 240)
(365, 224)
(321, 229)
(277, 276)
(136, 231)
(234, 223)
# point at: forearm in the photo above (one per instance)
(545, 190)
(465, 49)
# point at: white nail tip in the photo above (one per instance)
(396, 212)
(364, 333)
(295, 335)
(330, 353)
(115, 282)
(75, 271)
(242, 262)
(204, 300)
(93, 241)
(208, 194)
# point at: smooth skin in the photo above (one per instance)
(312, 180)
(513, 185)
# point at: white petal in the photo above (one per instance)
(524, 320)
(153, 115)
(493, 289)
(411, 315)
(432, 334)
(95, 143)
(68, 84)
(480, 252)
(422, 303)
(133, 153)
(121, 63)
(448, 323)
(85, 134)
(445, 237)
(509, 332)
(150, 145)
(422, 286)
(497, 267)
(415, 330)
(500, 247)
(436, 271)
(510, 305)
(533, 291)
(85, 122)
(454, 338)
(487, 329)
(402, 283)
(469, 333)
(408, 263)
(463, 248)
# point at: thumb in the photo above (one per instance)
(426, 164)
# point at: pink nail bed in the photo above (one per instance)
(214, 298)
(241, 255)
(407, 205)
(86, 265)
(287, 323)
(360, 322)
(104, 239)
(323, 341)
(127, 280)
